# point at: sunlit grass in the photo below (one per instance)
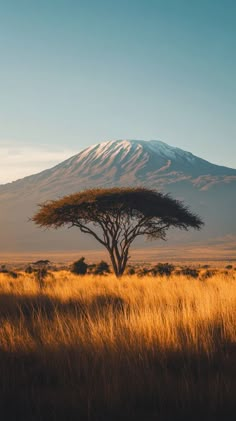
(89, 346)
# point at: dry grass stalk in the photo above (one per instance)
(94, 347)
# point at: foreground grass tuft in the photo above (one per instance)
(98, 348)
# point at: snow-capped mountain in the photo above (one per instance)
(125, 162)
(209, 189)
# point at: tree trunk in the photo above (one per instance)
(113, 262)
(118, 261)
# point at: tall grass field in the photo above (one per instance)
(138, 348)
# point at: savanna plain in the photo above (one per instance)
(136, 348)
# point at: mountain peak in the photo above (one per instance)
(127, 161)
(209, 189)
(132, 145)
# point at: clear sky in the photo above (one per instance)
(77, 72)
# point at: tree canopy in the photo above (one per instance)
(116, 216)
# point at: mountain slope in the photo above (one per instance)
(209, 189)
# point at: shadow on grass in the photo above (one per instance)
(80, 382)
(15, 306)
(60, 385)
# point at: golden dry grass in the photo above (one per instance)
(100, 348)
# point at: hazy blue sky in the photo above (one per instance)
(76, 72)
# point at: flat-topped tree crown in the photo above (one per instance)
(116, 216)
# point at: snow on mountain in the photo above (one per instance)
(209, 189)
(138, 158)
(125, 162)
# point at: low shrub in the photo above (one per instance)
(79, 267)
(102, 268)
(190, 272)
(12, 274)
(131, 270)
(162, 269)
(144, 271)
(29, 269)
(208, 274)
(41, 262)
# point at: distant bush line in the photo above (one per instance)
(43, 268)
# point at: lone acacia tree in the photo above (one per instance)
(116, 216)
